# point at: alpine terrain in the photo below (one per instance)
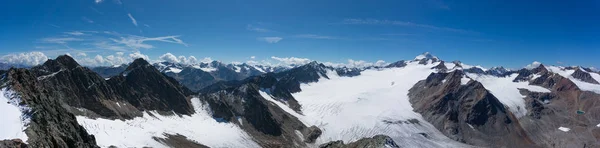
(422, 102)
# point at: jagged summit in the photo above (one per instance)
(425, 55)
(137, 63)
(533, 65)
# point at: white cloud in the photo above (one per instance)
(75, 33)
(270, 39)
(98, 1)
(60, 40)
(132, 19)
(168, 57)
(252, 57)
(29, 58)
(257, 29)
(314, 36)
(147, 25)
(99, 59)
(206, 60)
(137, 42)
(533, 65)
(357, 64)
(137, 55)
(82, 54)
(120, 53)
(292, 60)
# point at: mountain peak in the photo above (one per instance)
(426, 56)
(138, 63)
(533, 65)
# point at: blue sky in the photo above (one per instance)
(489, 33)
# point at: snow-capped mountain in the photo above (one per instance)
(423, 102)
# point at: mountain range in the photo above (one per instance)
(422, 102)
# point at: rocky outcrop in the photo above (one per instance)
(397, 64)
(194, 79)
(467, 113)
(546, 112)
(107, 72)
(147, 89)
(140, 87)
(441, 67)
(177, 140)
(241, 103)
(50, 124)
(378, 141)
(14, 143)
(584, 76)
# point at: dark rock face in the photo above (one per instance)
(548, 111)
(441, 67)
(140, 87)
(50, 125)
(270, 125)
(348, 72)
(179, 141)
(497, 71)
(466, 113)
(398, 64)
(15, 143)
(147, 89)
(474, 70)
(584, 76)
(378, 141)
(107, 72)
(194, 79)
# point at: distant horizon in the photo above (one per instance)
(273, 61)
(510, 33)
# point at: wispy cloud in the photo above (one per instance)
(96, 10)
(147, 25)
(54, 26)
(402, 23)
(60, 40)
(109, 46)
(98, 1)
(291, 60)
(75, 33)
(137, 42)
(132, 19)
(398, 34)
(270, 39)
(314, 36)
(257, 29)
(85, 19)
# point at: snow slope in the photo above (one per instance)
(138, 132)
(507, 91)
(12, 124)
(375, 102)
(582, 85)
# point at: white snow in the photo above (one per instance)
(564, 129)
(350, 108)
(208, 69)
(581, 84)
(258, 68)
(174, 70)
(598, 125)
(507, 91)
(464, 80)
(49, 75)
(138, 132)
(238, 69)
(13, 123)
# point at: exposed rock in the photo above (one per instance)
(474, 70)
(584, 76)
(313, 134)
(50, 124)
(107, 72)
(466, 113)
(441, 67)
(497, 71)
(147, 89)
(398, 64)
(176, 141)
(14, 143)
(378, 141)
